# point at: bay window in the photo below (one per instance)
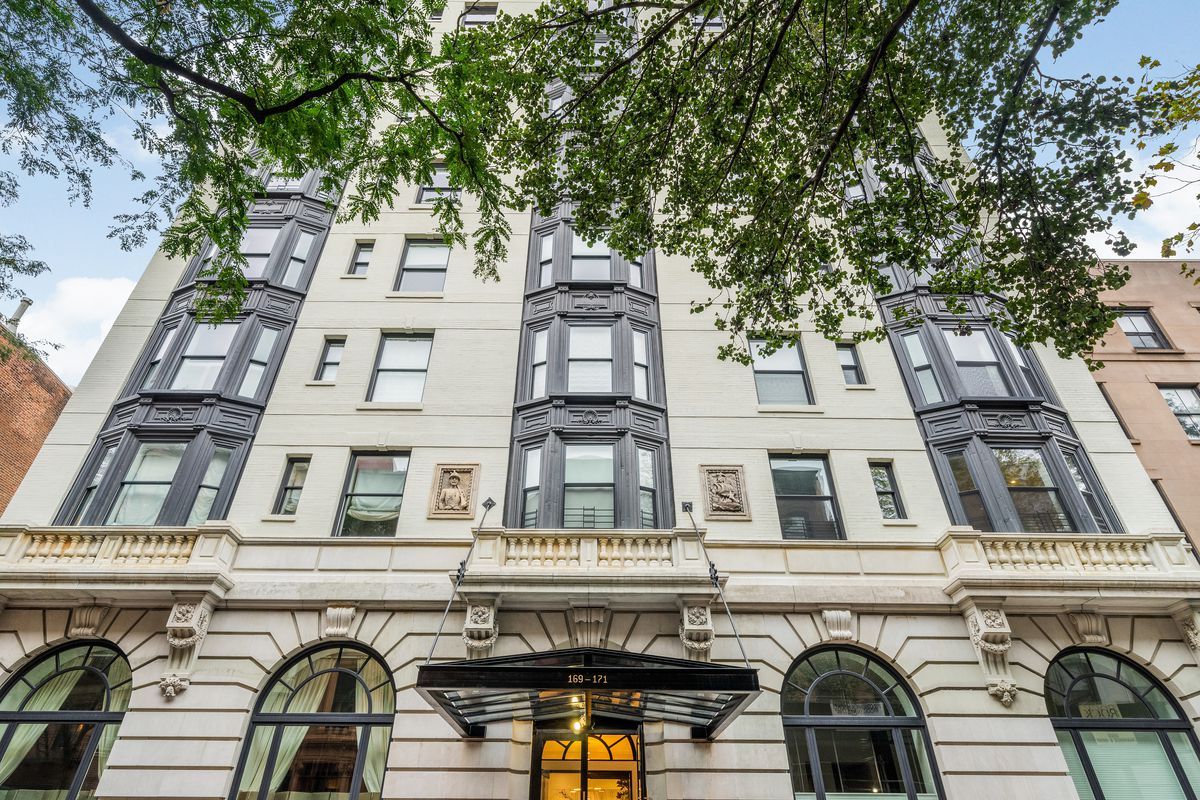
(204, 356)
(978, 366)
(1032, 491)
(589, 359)
(588, 496)
(147, 481)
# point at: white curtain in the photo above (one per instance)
(49, 697)
(376, 759)
(373, 509)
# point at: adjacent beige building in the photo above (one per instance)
(394, 533)
(1151, 375)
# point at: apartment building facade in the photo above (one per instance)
(395, 533)
(1151, 376)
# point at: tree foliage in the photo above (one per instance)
(736, 133)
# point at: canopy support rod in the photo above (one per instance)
(716, 581)
(488, 505)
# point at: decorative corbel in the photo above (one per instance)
(1090, 627)
(337, 621)
(1188, 620)
(696, 628)
(839, 624)
(85, 620)
(480, 629)
(992, 637)
(589, 625)
(187, 625)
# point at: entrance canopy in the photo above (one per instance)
(558, 685)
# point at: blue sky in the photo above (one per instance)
(91, 276)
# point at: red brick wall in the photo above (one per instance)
(31, 398)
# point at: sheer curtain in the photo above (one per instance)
(376, 760)
(49, 697)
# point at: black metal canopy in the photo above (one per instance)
(553, 685)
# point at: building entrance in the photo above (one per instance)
(604, 763)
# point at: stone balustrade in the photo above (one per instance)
(1049, 554)
(574, 549)
(210, 545)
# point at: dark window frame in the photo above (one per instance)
(614, 443)
(285, 486)
(609, 259)
(1179, 415)
(611, 327)
(361, 255)
(998, 361)
(375, 370)
(892, 491)
(831, 498)
(439, 186)
(266, 380)
(803, 372)
(856, 376)
(339, 520)
(405, 268)
(325, 363)
(1155, 335)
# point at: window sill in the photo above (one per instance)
(353, 277)
(279, 518)
(1159, 351)
(860, 387)
(899, 523)
(415, 295)
(1194, 442)
(782, 409)
(320, 383)
(389, 406)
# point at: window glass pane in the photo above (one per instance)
(298, 259)
(312, 761)
(590, 376)
(1131, 765)
(210, 485)
(591, 342)
(43, 759)
(962, 473)
(781, 388)
(1182, 744)
(985, 381)
(538, 389)
(589, 463)
(785, 359)
(405, 353)
(803, 785)
(801, 476)
(640, 348)
(636, 275)
(146, 483)
(266, 343)
(973, 346)
(1075, 766)
(427, 254)
(1023, 467)
(586, 507)
(398, 387)
(540, 341)
(646, 468)
(194, 374)
(211, 340)
(1184, 400)
(860, 761)
(929, 386)
(361, 260)
(641, 379)
(412, 280)
(533, 467)
(375, 494)
(579, 247)
(919, 764)
(254, 374)
(843, 695)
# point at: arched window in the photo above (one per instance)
(854, 729)
(59, 718)
(321, 729)
(1121, 733)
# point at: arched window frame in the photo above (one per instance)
(897, 724)
(278, 720)
(1073, 726)
(101, 719)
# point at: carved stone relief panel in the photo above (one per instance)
(454, 490)
(724, 489)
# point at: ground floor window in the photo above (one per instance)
(58, 722)
(601, 763)
(1123, 736)
(854, 730)
(320, 730)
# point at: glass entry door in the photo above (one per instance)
(601, 764)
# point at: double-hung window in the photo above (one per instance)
(160, 352)
(89, 491)
(360, 261)
(537, 378)
(922, 368)
(204, 356)
(210, 484)
(641, 365)
(545, 264)
(400, 372)
(256, 247)
(531, 487)
(589, 359)
(780, 378)
(1141, 330)
(804, 497)
(298, 260)
(260, 358)
(637, 274)
(588, 497)
(1032, 490)
(852, 372)
(1184, 402)
(374, 492)
(479, 14)
(590, 262)
(884, 479)
(1020, 356)
(969, 495)
(423, 267)
(1075, 467)
(647, 488)
(146, 483)
(294, 475)
(331, 359)
(439, 186)
(978, 365)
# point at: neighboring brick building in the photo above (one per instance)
(31, 398)
(1151, 377)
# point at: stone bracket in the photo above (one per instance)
(481, 627)
(589, 624)
(337, 620)
(1188, 619)
(839, 624)
(1091, 628)
(696, 628)
(85, 621)
(992, 637)
(187, 625)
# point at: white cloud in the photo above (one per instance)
(1174, 208)
(77, 315)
